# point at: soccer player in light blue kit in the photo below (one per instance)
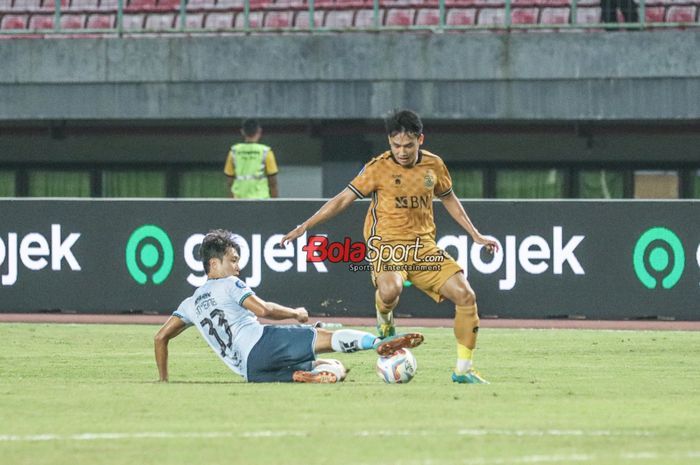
(225, 312)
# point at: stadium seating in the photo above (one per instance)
(218, 15)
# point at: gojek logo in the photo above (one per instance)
(149, 254)
(658, 258)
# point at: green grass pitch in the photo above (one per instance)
(85, 394)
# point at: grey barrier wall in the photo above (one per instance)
(572, 76)
(606, 260)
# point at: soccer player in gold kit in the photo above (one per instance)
(402, 183)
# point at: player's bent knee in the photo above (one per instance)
(466, 298)
(389, 294)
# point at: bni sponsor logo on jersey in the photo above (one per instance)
(35, 252)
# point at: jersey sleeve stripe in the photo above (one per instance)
(184, 319)
(243, 297)
(446, 193)
(356, 191)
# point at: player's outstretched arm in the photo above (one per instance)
(172, 328)
(329, 209)
(456, 211)
(273, 311)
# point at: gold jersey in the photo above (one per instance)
(402, 197)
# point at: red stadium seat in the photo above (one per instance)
(403, 17)
(141, 5)
(160, 22)
(168, 4)
(654, 14)
(554, 16)
(524, 15)
(365, 18)
(301, 19)
(461, 16)
(428, 17)
(491, 17)
(41, 22)
(339, 19)
(219, 21)
(323, 4)
(101, 21)
(259, 4)
(51, 5)
(255, 20)
(279, 19)
(14, 22)
(681, 14)
(70, 21)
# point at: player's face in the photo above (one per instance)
(404, 147)
(230, 262)
(227, 266)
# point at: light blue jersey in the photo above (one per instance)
(217, 312)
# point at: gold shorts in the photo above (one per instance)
(423, 263)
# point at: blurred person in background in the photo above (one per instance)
(251, 169)
(608, 11)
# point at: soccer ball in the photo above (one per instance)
(399, 368)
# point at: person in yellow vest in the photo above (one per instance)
(251, 168)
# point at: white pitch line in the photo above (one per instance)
(281, 434)
(549, 432)
(146, 435)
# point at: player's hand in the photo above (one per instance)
(490, 244)
(293, 234)
(302, 315)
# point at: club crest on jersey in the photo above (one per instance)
(429, 181)
(397, 179)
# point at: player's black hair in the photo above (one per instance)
(250, 127)
(215, 244)
(407, 121)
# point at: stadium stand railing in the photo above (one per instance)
(83, 18)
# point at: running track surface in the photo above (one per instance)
(419, 322)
